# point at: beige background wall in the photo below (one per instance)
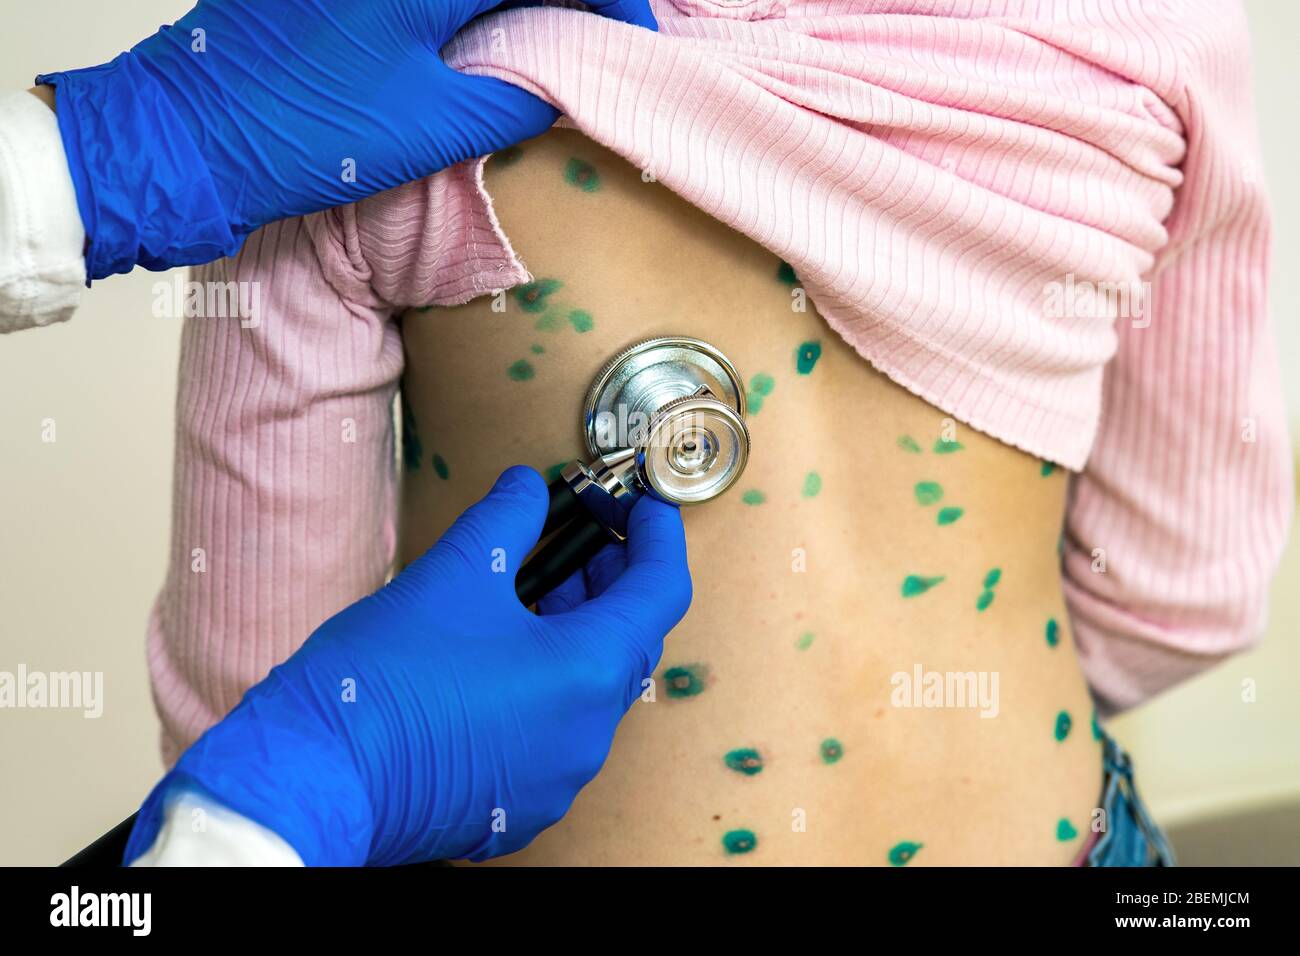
(84, 521)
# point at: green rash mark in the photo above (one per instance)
(760, 386)
(532, 295)
(684, 681)
(739, 841)
(1052, 633)
(812, 485)
(581, 321)
(1047, 469)
(992, 578)
(553, 472)
(552, 320)
(1063, 724)
(990, 582)
(537, 349)
(949, 515)
(1096, 727)
(580, 173)
(831, 750)
(1065, 831)
(927, 492)
(942, 447)
(909, 444)
(984, 600)
(412, 450)
(753, 497)
(805, 641)
(806, 356)
(440, 467)
(902, 853)
(521, 371)
(746, 760)
(507, 156)
(785, 274)
(914, 584)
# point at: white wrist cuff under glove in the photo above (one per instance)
(198, 832)
(42, 267)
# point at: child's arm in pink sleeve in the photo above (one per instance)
(1188, 493)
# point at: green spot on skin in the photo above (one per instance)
(440, 467)
(507, 156)
(927, 492)
(739, 841)
(684, 681)
(581, 321)
(914, 584)
(746, 760)
(553, 472)
(760, 386)
(1047, 469)
(1063, 724)
(521, 371)
(1052, 632)
(532, 295)
(942, 447)
(551, 321)
(806, 357)
(812, 485)
(831, 750)
(785, 273)
(949, 515)
(1065, 831)
(755, 402)
(580, 173)
(984, 600)
(903, 852)
(909, 444)
(1096, 727)
(753, 497)
(992, 578)
(537, 349)
(805, 641)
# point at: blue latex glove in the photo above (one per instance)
(249, 111)
(475, 723)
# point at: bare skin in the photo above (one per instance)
(799, 620)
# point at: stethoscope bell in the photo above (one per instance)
(664, 417)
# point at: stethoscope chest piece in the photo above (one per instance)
(679, 405)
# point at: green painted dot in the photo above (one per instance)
(552, 320)
(949, 515)
(915, 584)
(753, 497)
(984, 600)
(580, 173)
(739, 841)
(1096, 727)
(785, 273)
(805, 641)
(927, 492)
(581, 321)
(909, 444)
(1052, 633)
(1063, 724)
(902, 853)
(1047, 469)
(805, 358)
(812, 485)
(831, 750)
(762, 383)
(942, 447)
(684, 681)
(992, 578)
(521, 371)
(537, 349)
(746, 760)
(553, 472)
(1065, 830)
(532, 295)
(440, 467)
(755, 402)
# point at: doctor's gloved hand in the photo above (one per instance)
(249, 111)
(438, 717)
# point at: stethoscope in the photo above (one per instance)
(664, 417)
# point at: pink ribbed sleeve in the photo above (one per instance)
(943, 176)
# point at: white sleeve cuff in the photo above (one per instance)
(42, 268)
(199, 832)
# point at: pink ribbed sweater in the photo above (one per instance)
(945, 177)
